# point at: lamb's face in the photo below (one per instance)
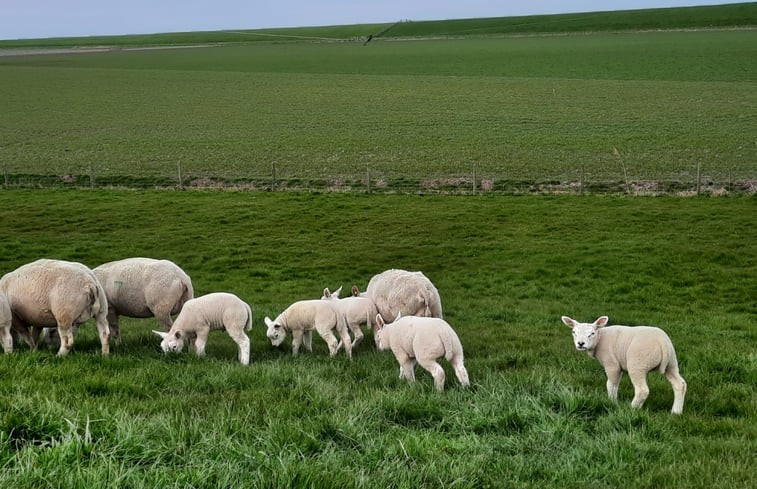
(275, 332)
(585, 336)
(173, 342)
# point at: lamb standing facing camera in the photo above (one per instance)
(422, 339)
(219, 310)
(633, 349)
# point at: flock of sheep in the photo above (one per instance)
(56, 296)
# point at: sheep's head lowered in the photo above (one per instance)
(275, 332)
(585, 334)
(172, 341)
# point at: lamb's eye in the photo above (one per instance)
(591, 334)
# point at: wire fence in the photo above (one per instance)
(692, 180)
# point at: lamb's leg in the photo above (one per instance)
(407, 367)
(200, 342)
(243, 341)
(296, 341)
(436, 371)
(345, 335)
(191, 340)
(6, 337)
(22, 330)
(460, 372)
(331, 340)
(103, 331)
(307, 338)
(115, 328)
(358, 334)
(614, 374)
(679, 389)
(640, 387)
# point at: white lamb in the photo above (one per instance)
(6, 319)
(422, 339)
(56, 294)
(301, 318)
(633, 349)
(357, 311)
(143, 287)
(402, 292)
(219, 310)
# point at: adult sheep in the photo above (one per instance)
(633, 349)
(141, 288)
(56, 294)
(401, 292)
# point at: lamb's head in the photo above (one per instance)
(275, 332)
(379, 335)
(327, 294)
(172, 341)
(585, 334)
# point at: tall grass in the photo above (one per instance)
(506, 267)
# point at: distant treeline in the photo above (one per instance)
(715, 16)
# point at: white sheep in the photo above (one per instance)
(56, 294)
(422, 339)
(357, 311)
(218, 310)
(143, 287)
(633, 349)
(402, 292)
(6, 319)
(301, 318)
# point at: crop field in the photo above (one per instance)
(507, 268)
(618, 112)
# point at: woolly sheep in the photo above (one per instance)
(301, 318)
(633, 349)
(56, 294)
(422, 339)
(143, 287)
(6, 319)
(357, 311)
(401, 292)
(218, 310)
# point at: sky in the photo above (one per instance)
(28, 19)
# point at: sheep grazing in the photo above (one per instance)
(301, 318)
(219, 310)
(357, 311)
(422, 339)
(6, 319)
(56, 294)
(402, 292)
(633, 349)
(143, 287)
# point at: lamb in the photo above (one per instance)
(6, 319)
(301, 318)
(402, 292)
(143, 287)
(422, 339)
(357, 311)
(633, 349)
(218, 310)
(56, 293)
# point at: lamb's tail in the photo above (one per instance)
(248, 324)
(453, 348)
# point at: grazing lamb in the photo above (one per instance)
(357, 311)
(143, 287)
(402, 292)
(6, 319)
(633, 349)
(422, 339)
(56, 294)
(301, 318)
(219, 310)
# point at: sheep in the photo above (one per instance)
(56, 294)
(218, 310)
(402, 292)
(633, 349)
(422, 339)
(357, 311)
(301, 318)
(6, 319)
(141, 288)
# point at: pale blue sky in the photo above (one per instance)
(23, 19)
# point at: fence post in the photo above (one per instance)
(474, 179)
(181, 180)
(368, 177)
(5, 171)
(581, 181)
(625, 177)
(273, 177)
(699, 177)
(91, 177)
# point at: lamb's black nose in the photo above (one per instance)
(580, 343)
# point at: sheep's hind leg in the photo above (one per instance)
(436, 371)
(460, 372)
(6, 337)
(331, 340)
(679, 389)
(243, 342)
(640, 387)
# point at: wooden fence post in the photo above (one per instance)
(474, 179)
(5, 171)
(273, 177)
(181, 180)
(368, 177)
(699, 177)
(91, 177)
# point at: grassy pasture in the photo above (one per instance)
(601, 107)
(506, 268)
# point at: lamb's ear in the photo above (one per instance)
(399, 315)
(268, 321)
(338, 292)
(568, 321)
(326, 293)
(177, 334)
(602, 321)
(160, 333)
(379, 321)
(355, 291)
